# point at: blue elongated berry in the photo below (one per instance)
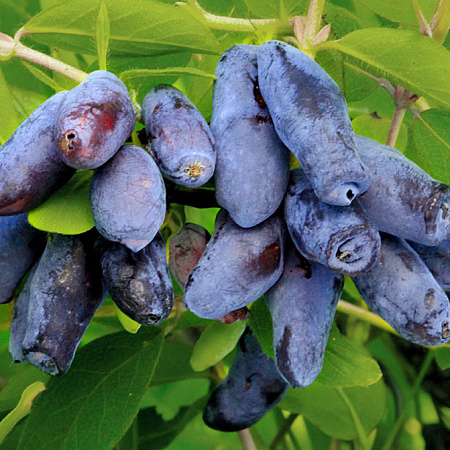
(94, 120)
(128, 198)
(20, 245)
(30, 167)
(403, 199)
(437, 259)
(343, 239)
(310, 115)
(185, 250)
(401, 289)
(19, 321)
(302, 304)
(138, 282)
(65, 291)
(252, 388)
(252, 169)
(236, 268)
(181, 140)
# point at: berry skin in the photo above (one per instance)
(252, 388)
(19, 321)
(236, 268)
(437, 259)
(65, 292)
(342, 239)
(404, 200)
(310, 115)
(30, 167)
(252, 169)
(181, 140)
(94, 120)
(185, 250)
(128, 198)
(302, 304)
(401, 290)
(20, 245)
(138, 282)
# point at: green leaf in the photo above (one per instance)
(401, 11)
(136, 28)
(9, 120)
(169, 398)
(21, 410)
(442, 21)
(325, 407)
(264, 8)
(261, 324)
(103, 34)
(427, 409)
(68, 210)
(42, 76)
(142, 85)
(13, 16)
(198, 436)
(26, 90)
(128, 323)
(431, 134)
(377, 128)
(357, 85)
(379, 103)
(402, 56)
(445, 414)
(93, 405)
(341, 19)
(202, 216)
(216, 341)
(189, 319)
(332, 62)
(155, 433)
(276, 9)
(443, 357)
(199, 90)
(174, 364)
(347, 364)
(19, 378)
(14, 377)
(132, 75)
(399, 373)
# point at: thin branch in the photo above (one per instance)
(21, 51)
(283, 431)
(366, 316)
(415, 389)
(396, 124)
(246, 440)
(382, 82)
(225, 23)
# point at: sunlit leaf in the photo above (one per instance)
(401, 56)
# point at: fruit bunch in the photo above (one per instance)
(355, 208)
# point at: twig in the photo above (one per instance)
(282, 431)
(246, 440)
(396, 123)
(225, 23)
(366, 316)
(399, 422)
(21, 51)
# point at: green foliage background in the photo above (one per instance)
(147, 390)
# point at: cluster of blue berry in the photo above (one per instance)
(355, 208)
